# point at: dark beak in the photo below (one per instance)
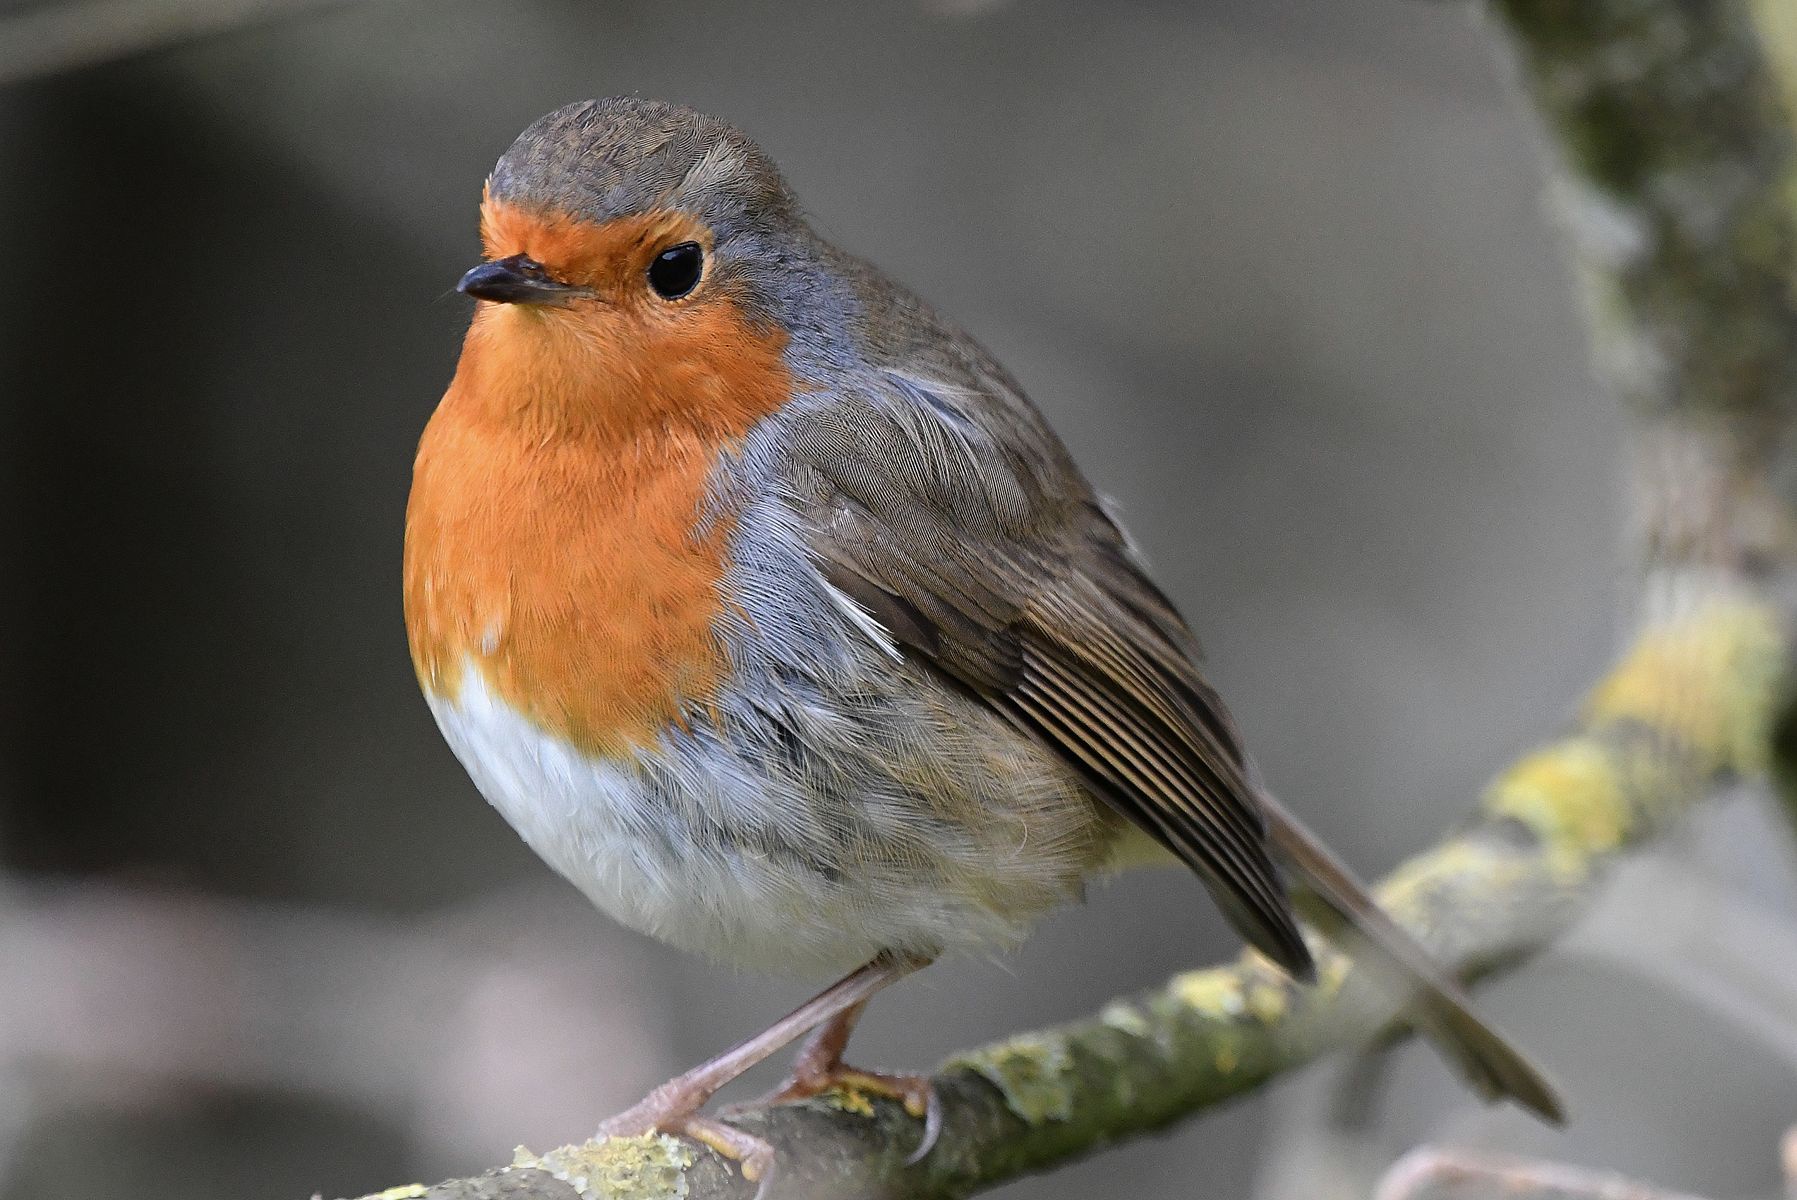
(517, 280)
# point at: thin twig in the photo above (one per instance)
(1438, 1174)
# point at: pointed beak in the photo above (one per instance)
(518, 280)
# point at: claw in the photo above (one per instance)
(754, 1157)
(932, 1125)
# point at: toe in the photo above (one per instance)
(916, 1092)
(672, 1111)
(754, 1157)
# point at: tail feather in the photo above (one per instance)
(1435, 1002)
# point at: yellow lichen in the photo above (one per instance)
(1253, 988)
(1214, 992)
(1267, 1001)
(405, 1191)
(1126, 1018)
(1407, 892)
(849, 1100)
(1705, 681)
(650, 1167)
(1332, 972)
(1034, 1072)
(1570, 795)
(1225, 1060)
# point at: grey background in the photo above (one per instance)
(1280, 273)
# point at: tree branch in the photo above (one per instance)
(1678, 183)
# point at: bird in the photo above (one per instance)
(769, 611)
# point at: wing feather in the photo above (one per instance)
(1020, 589)
(955, 518)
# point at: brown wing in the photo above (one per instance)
(958, 521)
(1002, 571)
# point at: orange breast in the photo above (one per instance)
(554, 537)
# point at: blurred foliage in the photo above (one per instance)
(1778, 22)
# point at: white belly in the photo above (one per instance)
(601, 825)
(694, 845)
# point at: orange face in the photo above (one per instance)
(614, 351)
(556, 539)
(611, 258)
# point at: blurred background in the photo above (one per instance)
(1281, 274)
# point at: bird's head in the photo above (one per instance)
(640, 258)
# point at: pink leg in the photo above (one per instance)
(821, 1053)
(674, 1106)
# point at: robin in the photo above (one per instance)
(771, 613)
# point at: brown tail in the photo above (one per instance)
(1436, 1003)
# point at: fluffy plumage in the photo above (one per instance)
(776, 618)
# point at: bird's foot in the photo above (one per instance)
(673, 1109)
(811, 1078)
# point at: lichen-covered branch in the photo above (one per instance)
(1676, 175)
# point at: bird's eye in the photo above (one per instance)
(676, 270)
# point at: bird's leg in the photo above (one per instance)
(674, 1106)
(819, 1068)
(818, 1059)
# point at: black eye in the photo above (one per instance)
(676, 270)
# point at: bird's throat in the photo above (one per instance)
(561, 536)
